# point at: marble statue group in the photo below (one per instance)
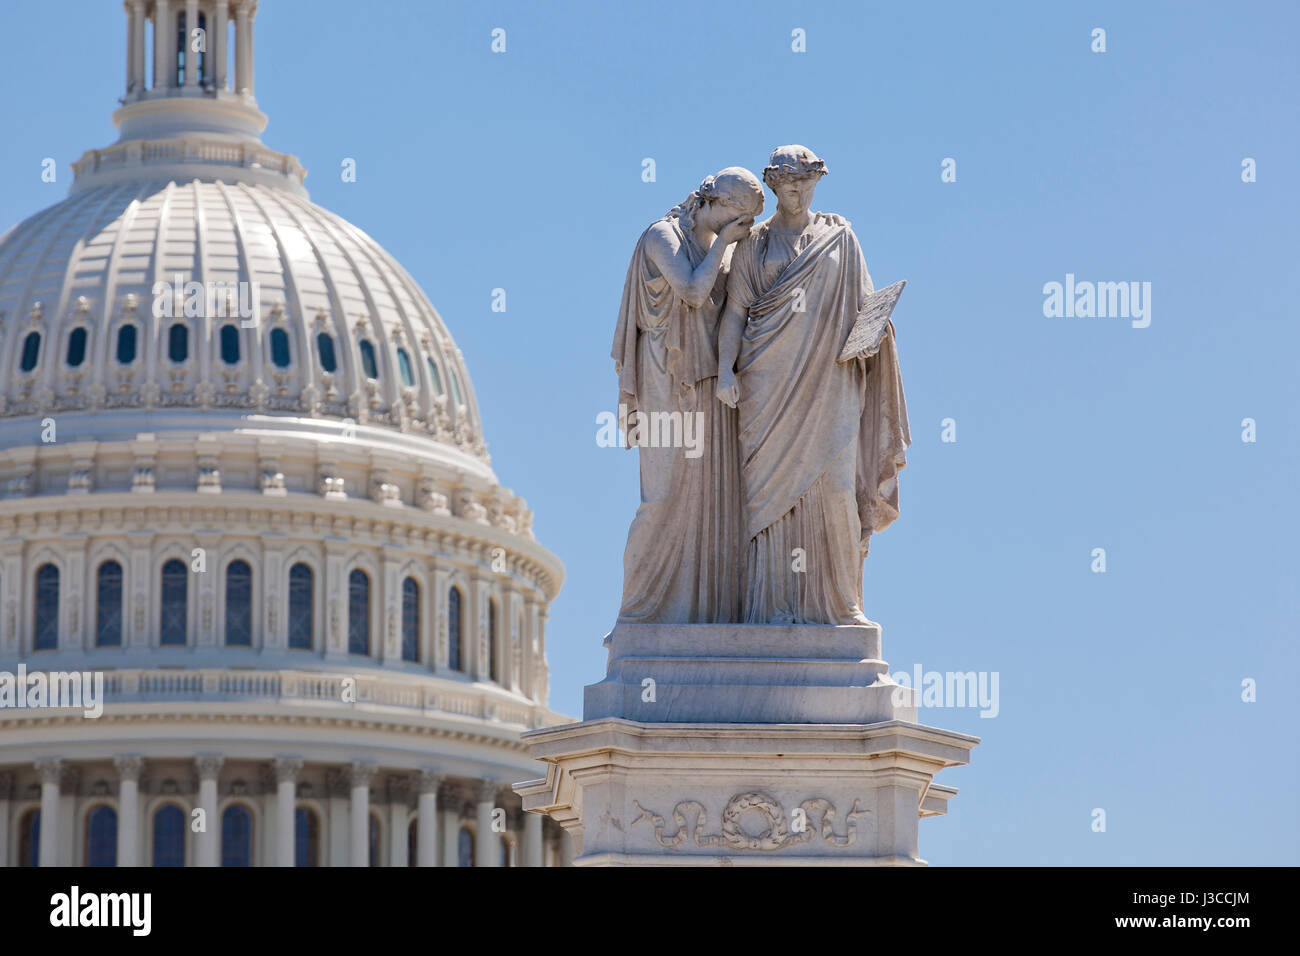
(742, 326)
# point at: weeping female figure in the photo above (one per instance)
(821, 441)
(682, 559)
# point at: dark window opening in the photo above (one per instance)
(325, 346)
(229, 344)
(76, 347)
(280, 348)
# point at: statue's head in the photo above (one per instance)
(792, 173)
(736, 190)
(731, 193)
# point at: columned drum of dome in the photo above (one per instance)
(263, 516)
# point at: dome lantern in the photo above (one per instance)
(192, 116)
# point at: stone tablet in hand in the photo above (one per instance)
(864, 338)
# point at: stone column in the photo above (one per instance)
(532, 839)
(136, 45)
(476, 637)
(274, 583)
(449, 819)
(128, 809)
(132, 12)
(209, 766)
(566, 848)
(243, 47)
(217, 46)
(164, 67)
(338, 832)
(6, 791)
(69, 826)
(426, 821)
(360, 774)
(286, 783)
(541, 685)
(399, 820)
(11, 554)
(514, 627)
(51, 772)
(487, 850)
(191, 58)
(438, 649)
(531, 661)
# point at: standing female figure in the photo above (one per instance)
(821, 442)
(682, 556)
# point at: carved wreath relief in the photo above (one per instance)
(781, 830)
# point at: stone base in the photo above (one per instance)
(633, 793)
(747, 673)
(744, 745)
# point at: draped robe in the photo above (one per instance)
(821, 443)
(681, 564)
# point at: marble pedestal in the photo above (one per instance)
(744, 745)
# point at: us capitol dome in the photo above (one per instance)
(243, 477)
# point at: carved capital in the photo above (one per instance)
(286, 769)
(430, 781)
(486, 791)
(360, 774)
(209, 766)
(128, 767)
(50, 769)
(6, 785)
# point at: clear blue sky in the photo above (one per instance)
(523, 171)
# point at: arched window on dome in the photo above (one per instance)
(101, 837)
(306, 837)
(173, 611)
(279, 348)
(229, 344)
(126, 344)
(76, 347)
(47, 608)
(358, 612)
(29, 839)
(108, 605)
(301, 587)
(178, 342)
(494, 658)
(435, 380)
(239, 604)
(413, 843)
(31, 351)
(237, 836)
(404, 368)
(410, 620)
(455, 388)
(169, 836)
(374, 840)
(453, 629)
(368, 365)
(325, 349)
(503, 859)
(465, 847)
